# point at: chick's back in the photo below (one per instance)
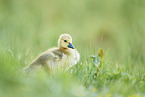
(50, 55)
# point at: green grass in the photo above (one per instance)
(88, 78)
(29, 27)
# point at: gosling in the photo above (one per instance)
(61, 58)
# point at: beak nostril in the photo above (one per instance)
(71, 46)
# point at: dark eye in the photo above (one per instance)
(65, 40)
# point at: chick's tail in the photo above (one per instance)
(27, 69)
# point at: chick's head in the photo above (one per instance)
(65, 42)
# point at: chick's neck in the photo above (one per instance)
(65, 51)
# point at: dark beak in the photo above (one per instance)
(71, 46)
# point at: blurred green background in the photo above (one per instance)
(115, 25)
(29, 27)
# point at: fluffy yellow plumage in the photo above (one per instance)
(64, 56)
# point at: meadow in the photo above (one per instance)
(29, 27)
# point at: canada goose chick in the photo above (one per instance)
(64, 56)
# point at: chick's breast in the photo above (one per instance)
(73, 58)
